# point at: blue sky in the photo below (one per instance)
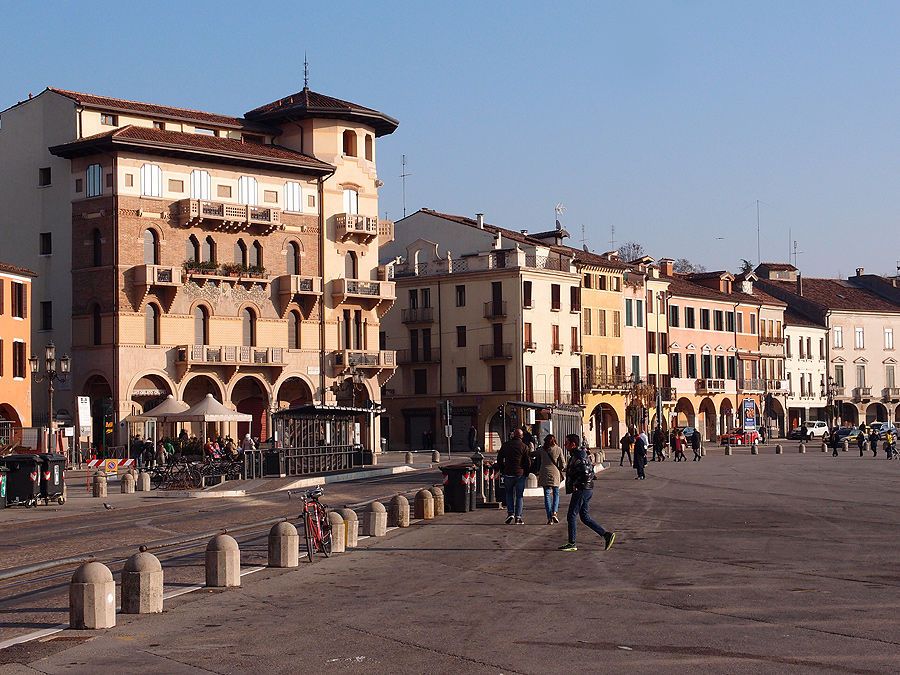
(667, 121)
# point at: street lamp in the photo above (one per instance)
(827, 391)
(50, 373)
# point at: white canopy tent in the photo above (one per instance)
(209, 410)
(161, 413)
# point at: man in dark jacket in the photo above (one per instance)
(580, 484)
(695, 444)
(626, 442)
(514, 463)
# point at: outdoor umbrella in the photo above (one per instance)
(209, 410)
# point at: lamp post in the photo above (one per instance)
(50, 373)
(827, 391)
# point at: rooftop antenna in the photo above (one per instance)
(758, 254)
(583, 240)
(612, 237)
(559, 211)
(796, 253)
(305, 72)
(403, 176)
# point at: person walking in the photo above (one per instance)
(247, 444)
(626, 443)
(678, 445)
(873, 441)
(514, 464)
(696, 444)
(640, 457)
(889, 444)
(861, 440)
(659, 444)
(834, 443)
(550, 475)
(580, 484)
(473, 438)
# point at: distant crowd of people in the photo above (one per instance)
(145, 455)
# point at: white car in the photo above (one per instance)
(813, 429)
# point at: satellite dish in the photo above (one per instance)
(585, 248)
(558, 225)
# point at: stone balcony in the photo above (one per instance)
(227, 217)
(373, 295)
(355, 227)
(710, 386)
(193, 357)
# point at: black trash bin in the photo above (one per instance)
(23, 484)
(53, 477)
(457, 486)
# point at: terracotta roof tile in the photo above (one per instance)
(837, 294)
(777, 266)
(793, 318)
(12, 269)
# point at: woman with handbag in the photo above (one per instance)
(550, 457)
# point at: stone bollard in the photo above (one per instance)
(531, 481)
(284, 545)
(223, 562)
(824, 446)
(143, 482)
(375, 520)
(142, 585)
(398, 512)
(127, 484)
(132, 472)
(99, 485)
(778, 449)
(438, 494)
(754, 449)
(802, 448)
(424, 505)
(92, 598)
(407, 458)
(338, 532)
(435, 457)
(727, 449)
(846, 445)
(351, 527)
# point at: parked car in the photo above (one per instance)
(739, 437)
(812, 428)
(847, 434)
(882, 428)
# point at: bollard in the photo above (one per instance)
(424, 505)
(754, 449)
(802, 448)
(824, 446)
(99, 485)
(846, 445)
(143, 482)
(132, 472)
(407, 458)
(351, 527)
(488, 482)
(127, 484)
(435, 457)
(284, 545)
(338, 532)
(863, 447)
(727, 449)
(375, 520)
(438, 494)
(778, 449)
(92, 598)
(223, 562)
(142, 585)
(398, 512)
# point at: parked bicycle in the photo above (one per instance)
(315, 523)
(177, 475)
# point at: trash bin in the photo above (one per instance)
(53, 477)
(23, 485)
(457, 486)
(2, 487)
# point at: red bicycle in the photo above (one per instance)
(315, 523)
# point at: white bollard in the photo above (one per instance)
(351, 527)
(338, 532)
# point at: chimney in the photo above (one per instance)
(667, 266)
(860, 271)
(480, 218)
(799, 283)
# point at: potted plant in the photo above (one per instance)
(257, 271)
(232, 269)
(190, 265)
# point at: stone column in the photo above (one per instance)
(143, 482)
(99, 485)
(424, 505)
(127, 484)
(338, 532)
(438, 494)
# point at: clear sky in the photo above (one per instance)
(665, 120)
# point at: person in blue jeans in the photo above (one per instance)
(580, 484)
(514, 463)
(550, 475)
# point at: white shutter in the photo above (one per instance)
(351, 202)
(293, 195)
(151, 180)
(247, 190)
(200, 184)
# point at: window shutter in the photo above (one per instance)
(1, 295)
(24, 301)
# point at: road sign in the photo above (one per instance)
(110, 466)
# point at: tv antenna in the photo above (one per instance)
(796, 252)
(305, 72)
(403, 176)
(612, 237)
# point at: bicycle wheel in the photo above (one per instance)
(156, 478)
(194, 479)
(308, 533)
(325, 541)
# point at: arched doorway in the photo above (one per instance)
(10, 425)
(849, 413)
(729, 417)
(876, 412)
(684, 413)
(250, 397)
(293, 392)
(604, 426)
(776, 418)
(103, 421)
(707, 420)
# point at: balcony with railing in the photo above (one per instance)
(227, 217)
(356, 227)
(776, 386)
(344, 359)
(157, 275)
(189, 357)
(550, 397)
(600, 381)
(576, 348)
(417, 315)
(710, 386)
(862, 393)
(495, 351)
(420, 355)
(891, 394)
(770, 340)
(751, 384)
(557, 347)
(668, 393)
(530, 346)
(377, 295)
(495, 309)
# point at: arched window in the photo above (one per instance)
(369, 147)
(351, 267)
(248, 320)
(96, 326)
(351, 201)
(240, 252)
(294, 330)
(256, 254)
(151, 324)
(201, 325)
(350, 143)
(200, 184)
(151, 180)
(192, 249)
(293, 258)
(208, 250)
(247, 190)
(151, 248)
(98, 248)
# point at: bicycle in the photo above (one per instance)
(317, 529)
(178, 475)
